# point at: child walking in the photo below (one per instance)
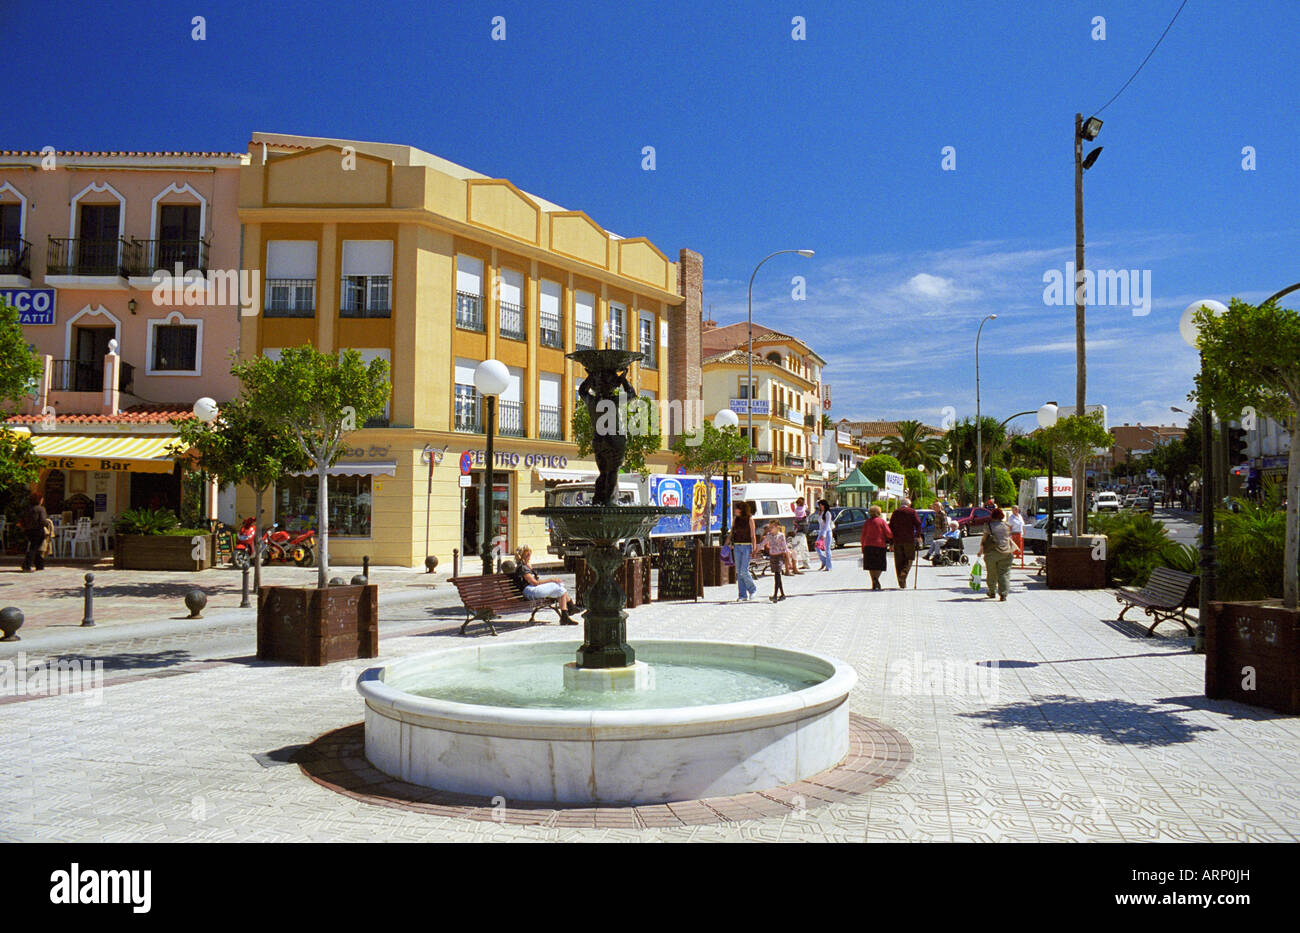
(774, 544)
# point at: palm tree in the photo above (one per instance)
(911, 446)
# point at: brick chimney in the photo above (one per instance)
(685, 380)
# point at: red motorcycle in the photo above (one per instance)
(288, 546)
(242, 556)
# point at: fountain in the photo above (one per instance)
(677, 720)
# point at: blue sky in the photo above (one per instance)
(763, 142)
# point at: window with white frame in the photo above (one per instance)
(511, 305)
(367, 284)
(290, 278)
(550, 320)
(469, 292)
(648, 343)
(510, 405)
(616, 333)
(584, 318)
(549, 411)
(175, 346)
(467, 413)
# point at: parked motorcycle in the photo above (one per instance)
(275, 544)
(242, 555)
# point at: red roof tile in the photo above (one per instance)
(136, 414)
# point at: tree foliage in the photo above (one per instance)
(1252, 370)
(643, 434)
(20, 372)
(718, 448)
(318, 397)
(1076, 437)
(873, 468)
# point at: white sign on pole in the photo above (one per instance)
(893, 484)
(465, 481)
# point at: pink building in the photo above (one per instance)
(125, 350)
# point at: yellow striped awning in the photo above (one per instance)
(124, 453)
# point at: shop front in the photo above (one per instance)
(101, 476)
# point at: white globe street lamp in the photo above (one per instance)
(491, 379)
(723, 420)
(205, 409)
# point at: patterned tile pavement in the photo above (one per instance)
(1031, 719)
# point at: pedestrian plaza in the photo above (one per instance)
(1035, 719)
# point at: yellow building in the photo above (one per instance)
(408, 257)
(785, 394)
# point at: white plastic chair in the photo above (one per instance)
(101, 530)
(82, 537)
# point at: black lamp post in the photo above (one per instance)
(1047, 419)
(1209, 557)
(490, 378)
(723, 420)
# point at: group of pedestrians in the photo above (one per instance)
(781, 555)
(903, 530)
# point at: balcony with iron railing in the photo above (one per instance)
(510, 418)
(648, 349)
(290, 298)
(549, 330)
(584, 335)
(467, 413)
(548, 423)
(797, 462)
(511, 321)
(81, 256)
(87, 376)
(365, 296)
(15, 257)
(469, 311)
(147, 256)
(616, 339)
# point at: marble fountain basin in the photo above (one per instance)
(496, 720)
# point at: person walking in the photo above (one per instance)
(34, 521)
(742, 549)
(905, 525)
(799, 549)
(825, 533)
(940, 529)
(774, 545)
(876, 536)
(1017, 526)
(998, 551)
(534, 588)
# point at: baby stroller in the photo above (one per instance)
(951, 551)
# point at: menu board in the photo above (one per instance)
(679, 569)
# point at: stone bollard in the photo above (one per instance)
(195, 600)
(455, 562)
(430, 564)
(359, 580)
(11, 620)
(88, 617)
(337, 581)
(243, 596)
(365, 566)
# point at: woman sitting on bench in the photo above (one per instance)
(534, 588)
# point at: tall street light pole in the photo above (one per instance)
(1047, 421)
(1190, 332)
(490, 378)
(1083, 130)
(979, 424)
(749, 357)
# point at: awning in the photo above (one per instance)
(123, 453)
(564, 476)
(371, 468)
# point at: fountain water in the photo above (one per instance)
(687, 719)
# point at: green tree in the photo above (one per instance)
(873, 468)
(318, 397)
(1252, 368)
(643, 436)
(241, 447)
(716, 450)
(1075, 437)
(20, 373)
(911, 446)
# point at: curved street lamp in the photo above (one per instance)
(749, 356)
(491, 379)
(979, 433)
(1191, 333)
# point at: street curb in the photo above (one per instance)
(45, 640)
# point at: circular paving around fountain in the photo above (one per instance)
(877, 754)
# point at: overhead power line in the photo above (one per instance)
(1144, 61)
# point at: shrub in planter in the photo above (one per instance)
(146, 522)
(1135, 545)
(1252, 550)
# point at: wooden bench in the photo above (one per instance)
(1165, 597)
(488, 597)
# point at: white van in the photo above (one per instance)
(771, 501)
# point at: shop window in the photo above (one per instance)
(349, 504)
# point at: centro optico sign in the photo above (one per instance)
(34, 305)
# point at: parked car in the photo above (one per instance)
(971, 520)
(1036, 534)
(1106, 502)
(1143, 504)
(1129, 500)
(848, 526)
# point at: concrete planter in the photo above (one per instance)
(713, 571)
(313, 627)
(164, 552)
(1252, 654)
(1073, 566)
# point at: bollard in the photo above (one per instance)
(11, 620)
(337, 581)
(455, 562)
(89, 616)
(365, 566)
(359, 580)
(195, 600)
(243, 596)
(430, 564)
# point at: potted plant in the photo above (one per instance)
(318, 398)
(153, 539)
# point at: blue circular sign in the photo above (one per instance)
(466, 462)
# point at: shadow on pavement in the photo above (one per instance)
(1229, 708)
(1113, 657)
(1118, 722)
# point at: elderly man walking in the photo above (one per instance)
(908, 534)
